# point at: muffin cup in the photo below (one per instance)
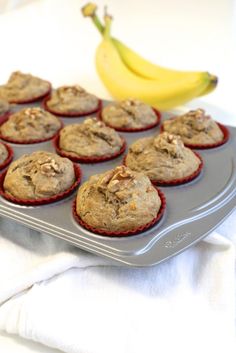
(70, 114)
(27, 142)
(131, 232)
(9, 157)
(45, 200)
(201, 146)
(178, 181)
(82, 159)
(123, 129)
(4, 116)
(33, 99)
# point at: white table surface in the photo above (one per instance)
(183, 34)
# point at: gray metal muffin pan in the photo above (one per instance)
(193, 210)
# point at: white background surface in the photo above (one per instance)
(51, 39)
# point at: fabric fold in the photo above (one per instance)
(77, 302)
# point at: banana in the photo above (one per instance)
(143, 67)
(148, 70)
(122, 83)
(211, 86)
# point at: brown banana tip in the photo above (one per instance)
(106, 14)
(215, 80)
(89, 9)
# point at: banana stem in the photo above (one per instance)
(89, 10)
(107, 29)
(98, 23)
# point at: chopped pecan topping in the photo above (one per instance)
(94, 122)
(197, 120)
(130, 106)
(132, 205)
(33, 112)
(49, 167)
(71, 90)
(170, 144)
(117, 179)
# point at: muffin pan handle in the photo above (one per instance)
(183, 236)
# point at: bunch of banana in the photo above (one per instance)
(126, 74)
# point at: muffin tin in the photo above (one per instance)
(193, 209)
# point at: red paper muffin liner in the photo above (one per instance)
(135, 231)
(200, 146)
(4, 116)
(180, 180)
(27, 142)
(9, 157)
(83, 159)
(33, 99)
(70, 114)
(45, 200)
(123, 129)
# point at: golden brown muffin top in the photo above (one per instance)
(194, 127)
(21, 86)
(117, 200)
(129, 113)
(3, 153)
(163, 157)
(30, 124)
(72, 99)
(38, 175)
(90, 138)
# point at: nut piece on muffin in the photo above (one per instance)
(117, 200)
(163, 158)
(3, 153)
(72, 100)
(22, 88)
(4, 107)
(39, 175)
(92, 138)
(129, 114)
(195, 128)
(30, 124)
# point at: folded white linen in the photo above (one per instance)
(77, 302)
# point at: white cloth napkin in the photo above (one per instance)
(65, 298)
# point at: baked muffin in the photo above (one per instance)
(4, 107)
(39, 175)
(90, 139)
(6, 155)
(130, 115)
(71, 101)
(195, 128)
(118, 200)
(24, 88)
(3, 153)
(29, 125)
(163, 158)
